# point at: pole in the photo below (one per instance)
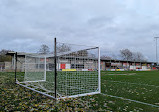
(99, 75)
(15, 66)
(55, 66)
(156, 50)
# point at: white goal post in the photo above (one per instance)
(71, 71)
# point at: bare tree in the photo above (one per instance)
(4, 51)
(3, 56)
(138, 56)
(126, 54)
(44, 49)
(63, 48)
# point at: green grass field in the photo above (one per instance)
(118, 91)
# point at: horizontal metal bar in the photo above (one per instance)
(44, 93)
(74, 96)
(34, 81)
(75, 44)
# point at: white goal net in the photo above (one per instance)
(74, 71)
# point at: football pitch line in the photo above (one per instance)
(131, 100)
(131, 83)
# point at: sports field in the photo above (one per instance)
(121, 91)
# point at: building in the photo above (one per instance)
(122, 65)
(78, 64)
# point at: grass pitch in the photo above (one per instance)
(121, 91)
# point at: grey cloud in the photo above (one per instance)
(113, 25)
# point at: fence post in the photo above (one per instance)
(15, 66)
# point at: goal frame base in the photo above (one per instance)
(65, 97)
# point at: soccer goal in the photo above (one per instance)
(71, 71)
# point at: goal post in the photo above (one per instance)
(70, 71)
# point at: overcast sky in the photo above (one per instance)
(110, 24)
